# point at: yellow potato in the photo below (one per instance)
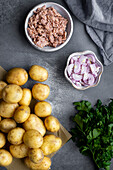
(7, 109)
(26, 97)
(19, 151)
(38, 73)
(32, 138)
(34, 122)
(0, 118)
(5, 158)
(43, 109)
(15, 136)
(52, 124)
(51, 143)
(12, 93)
(17, 76)
(2, 85)
(35, 155)
(2, 140)
(40, 91)
(21, 114)
(7, 124)
(44, 165)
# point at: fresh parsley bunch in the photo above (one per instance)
(93, 132)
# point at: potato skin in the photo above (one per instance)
(40, 91)
(17, 76)
(43, 109)
(2, 85)
(52, 124)
(26, 97)
(32, 138)
(21, 114)
(7, 109)
(7, 124)
(35, 155)
(5, 158)
(15, 136)
(44, 165)
(12, 93)
(34, 122)
(19, 151)
(2, 140)
(38, 73)
(51, 143)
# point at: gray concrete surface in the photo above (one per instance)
(15, 51)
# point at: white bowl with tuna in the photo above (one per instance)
(83, 70)
(37, 29)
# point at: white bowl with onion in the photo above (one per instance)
(83, 70)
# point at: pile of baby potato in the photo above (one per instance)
(23, 130)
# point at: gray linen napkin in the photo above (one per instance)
(97, 15)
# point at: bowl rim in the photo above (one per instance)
(80, 53)
(52, 49)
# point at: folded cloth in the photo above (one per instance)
(97, 15)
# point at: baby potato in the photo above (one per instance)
(34, 122)
(38, 73)
(17, 76)
(43, 109)
(19, 151)
(2, 140)
(21, 114)
(15, 136)
(35, 155)
(26, 97)
(7, 124)
(2, 85)
(5, 158)
(52, 124)
(44, 165)
(40, 91)
(51, 143)
(7, 109)
(32, 138)
(12, 93)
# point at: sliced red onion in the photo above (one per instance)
(74, 59)
(70, 69)
(98, 69)
(77, 77)
(88, 62)
(71, 61)
(88, 69)
(82, 59)
(73, 80)
(78, 84)
(76, 67)
(91, 57)
(84, 69)
(85, 76)
(94, 69)
(88, 79)
(91, 79)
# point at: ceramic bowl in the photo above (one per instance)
(98, 62)
(64, 13)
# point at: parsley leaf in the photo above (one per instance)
(93, 131)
